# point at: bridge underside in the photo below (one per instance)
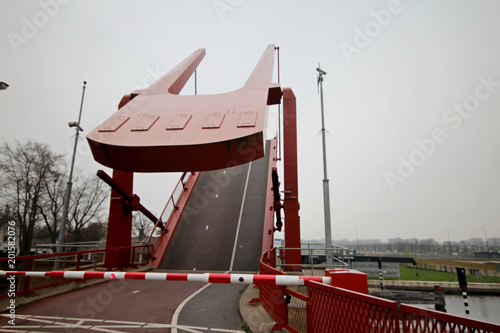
(222, 224)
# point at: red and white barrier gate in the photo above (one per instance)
(279, 280)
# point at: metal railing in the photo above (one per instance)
(67, 247)
(333, 309)
(326, 308)
(76, 260)
(315, 257)
(415, 319)
(171, 204)
(272, 297)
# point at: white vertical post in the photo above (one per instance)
(326, 186)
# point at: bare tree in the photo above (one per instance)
(24, 170)
(52, 203)
(141, 226)
(86, 205)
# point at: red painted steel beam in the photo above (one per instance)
(278, 280)
(268, 230)
(291, 182)
(156, 130)
(132, 199)
(119, 233)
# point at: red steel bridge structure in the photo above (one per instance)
(218, 141)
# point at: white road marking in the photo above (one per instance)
(100, 325)
(175, 317)
(239, 218)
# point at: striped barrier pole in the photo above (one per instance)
(466, 302)
(279, 280)
(462, 282)
(381, 273)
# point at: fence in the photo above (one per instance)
(314, 256)
(77, 260)
(69, 247)
(326, 308)
(272, 297)
(416, 319)
(451, 269)
(332, 309)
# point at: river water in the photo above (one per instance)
(485, 308)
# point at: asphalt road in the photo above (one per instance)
(114, 306)
(221, 227)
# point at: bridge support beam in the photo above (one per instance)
(119, 223)
(291, 201)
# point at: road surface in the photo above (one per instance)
(221, 227)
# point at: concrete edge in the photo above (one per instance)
(256, 317)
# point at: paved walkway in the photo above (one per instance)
(130, 305)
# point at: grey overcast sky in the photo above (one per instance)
(412, 95)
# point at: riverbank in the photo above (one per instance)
(492, 289)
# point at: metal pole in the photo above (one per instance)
(67, 196)
(449, 241)
(486, 238)
(357, 242)
(326, 186)
(381, 273)
(462, 282)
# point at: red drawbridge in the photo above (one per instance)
(218, 142)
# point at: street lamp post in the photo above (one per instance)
(67, 195)
(449, 241)
(357, 242)
(486, 238)
(326, 186)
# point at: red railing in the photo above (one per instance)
(297, 311)
(172, 202)
(171, 215)
(272, 297)
(331, 309)
(424, 320)
(76, 260)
